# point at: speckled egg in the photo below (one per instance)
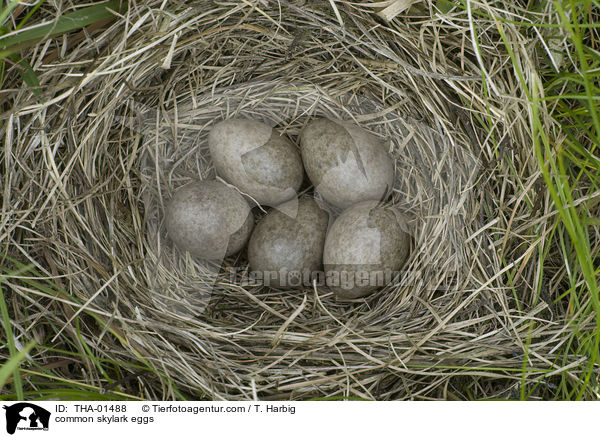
(345, 163)
(286, 247)
(364, 247)
(256, 159)
(209, 219)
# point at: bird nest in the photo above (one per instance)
(125, 123)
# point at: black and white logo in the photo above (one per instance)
(26, 417)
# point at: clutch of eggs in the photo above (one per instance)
(349, 168)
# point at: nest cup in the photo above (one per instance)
(135, 129)
(433, 176)
(428, 178)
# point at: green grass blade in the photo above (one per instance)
(11, 366)
(83, 17)
(28, 76)
(5, 12)
(15, 356)
(29, 14)
(444, 6)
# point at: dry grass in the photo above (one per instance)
(123, 122)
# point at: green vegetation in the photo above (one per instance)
(19, 38)
(563, 111)
(571, 169)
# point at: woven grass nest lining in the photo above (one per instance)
(135, 132)
(432, 177)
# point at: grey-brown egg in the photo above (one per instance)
(256, 159)
(209, 219)
(345, 163)
(365, 247)
(286, 247)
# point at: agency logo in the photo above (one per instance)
(26, 417)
